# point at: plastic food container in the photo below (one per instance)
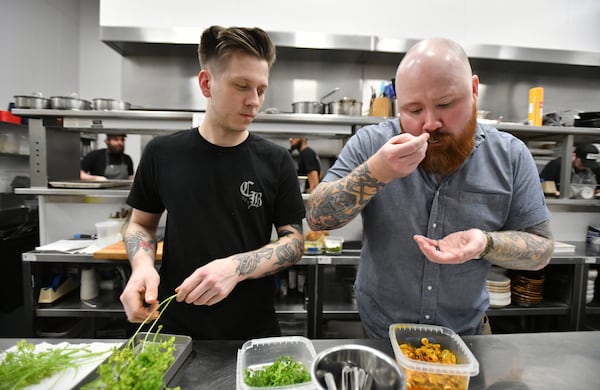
(427, 375)
(258, 353)
(334, 245)
(312, 247)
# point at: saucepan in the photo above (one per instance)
(312, 107)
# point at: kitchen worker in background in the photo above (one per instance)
(224, 190)
(585, 168)
(308, 163)
(108, 163)
(442, 198)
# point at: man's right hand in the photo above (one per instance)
(140, 296)
(398, 157)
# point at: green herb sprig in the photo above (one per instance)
(25, 367)
(141, 366)
(284, 371)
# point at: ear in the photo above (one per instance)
(204, 80)
(475, 86)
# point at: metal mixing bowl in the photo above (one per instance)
(383, 371)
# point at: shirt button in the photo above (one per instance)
(429, 288)
(427, 316)
(434, 225)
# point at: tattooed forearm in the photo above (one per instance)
(136, 242)
(334, 204)
(248, 262)
(524, 250)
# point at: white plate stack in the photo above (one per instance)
(498, 286)
(591, 282)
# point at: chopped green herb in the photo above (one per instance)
(284, 371)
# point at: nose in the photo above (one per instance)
(431, 121)
(253, 98)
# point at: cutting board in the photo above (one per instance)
(117, 251)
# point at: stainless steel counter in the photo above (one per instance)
(536, 361)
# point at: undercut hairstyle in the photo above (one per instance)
(218, 43)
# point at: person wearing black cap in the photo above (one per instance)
(585, 167)
(109, 163)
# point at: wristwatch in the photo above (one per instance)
(489, 246)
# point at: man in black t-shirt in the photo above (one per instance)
(224, 190)
(108, 163)
(584, 166)
(308, 163)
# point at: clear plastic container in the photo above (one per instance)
(426, 374)
(258, 353)
(334, 245)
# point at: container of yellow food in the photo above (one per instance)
(438, 356)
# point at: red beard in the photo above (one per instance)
(447, 158)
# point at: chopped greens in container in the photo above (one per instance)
(284, 371)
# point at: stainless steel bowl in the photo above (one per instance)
(103, 104)
(382, 371)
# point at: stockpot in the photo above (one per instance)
(70, 103)
(35, 100)
(345, 106)
(312, 107)
(103, 104)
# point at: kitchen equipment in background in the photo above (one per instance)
(345, 106)
(89, 284)
(536, 106)
(587, 119)
(103, 104)
(71, 102)
(34, 101)
(302, 183)
(312, 107)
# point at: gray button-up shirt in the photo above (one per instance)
(497, 188)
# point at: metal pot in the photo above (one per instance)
(345, 106)
(69, 103)
(308, 107)
(34, 100)
(312, 107)
(102, 104)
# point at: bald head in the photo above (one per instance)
(437, 59)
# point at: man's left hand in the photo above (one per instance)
(455, 248)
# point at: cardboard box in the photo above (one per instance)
(536, 106)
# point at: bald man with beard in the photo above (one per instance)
(441, 196)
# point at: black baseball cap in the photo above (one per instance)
(588, 153)
(116, 135)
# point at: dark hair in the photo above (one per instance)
(218, 43)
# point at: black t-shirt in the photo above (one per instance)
(308, 161)
(551, 172)
(95, 161)
(219, 201)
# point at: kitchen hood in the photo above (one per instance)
(143, 41)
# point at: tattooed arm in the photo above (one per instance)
(333, 204)
(214, 281)
(140, 295)
(530, 249)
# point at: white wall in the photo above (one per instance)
(550, 24)
(40, 48)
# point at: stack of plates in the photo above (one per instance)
(498, 286)
(526, 287)
(592, 274)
